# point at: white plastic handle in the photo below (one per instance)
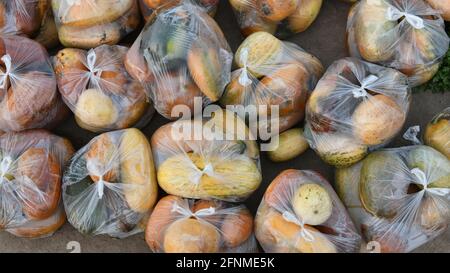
(4, 166)
(412, 133)
(91, 60)
(100, 187)
(186, 212)
(244, 79)
(422, 178)
(6, 59)
(393, 14)
(365, 83)
(208, 170)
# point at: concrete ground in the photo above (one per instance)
(325, 39)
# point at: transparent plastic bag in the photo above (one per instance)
(181, 54)
(179, 225)
(207, 159)
(356, 107)
(272, 73)
(31, 169)
(282, 18)
(437, 132)
(398, 198)
(48, 33)
(97, 88)
(149, 6)
(91, 23)
(407, 35)
(22, 17)
(109, 186)
(301, 213)
(29, 98)
(443, 6)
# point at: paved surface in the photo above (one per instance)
(325, 39)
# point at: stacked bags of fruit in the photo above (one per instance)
(272, 73)
(109, 186)
(356, 107)
(29, 98)
(148, 7)
(90, 23)
(98, 89)
(205, 160)
(407, 35)
(280, 17)
(398, 198)
(31, 169)
(301, 213)
(181, 54)
(179, 225)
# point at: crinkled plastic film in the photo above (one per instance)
(282, 18)
(272, 73)
(181, 54)
(149, 6)
(207, 159)
(355, 107)
(28, 95)
(408, 35)
(399, 198)
(301, 213)
(22, 17)
(179, 225)
(91, 23)
(442, 6)
(109, 186)
(31, 168)
(97, 88)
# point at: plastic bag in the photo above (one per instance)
(31, 169)
(98, 89)
(48, 33)
(272, 73)
(149, 6)
(207, 159)
(179, 225)
(300, 212)
(398, 198)
(22, 17)
(282, 18)
(181, 54)
(443, 6)
(407, 35)
(437, 132)
(28, 95)
(90, 23)
(356, 107)
(109, 186)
